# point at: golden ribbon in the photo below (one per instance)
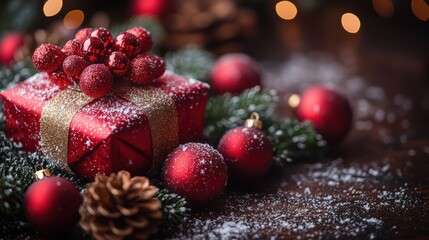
(158, 107)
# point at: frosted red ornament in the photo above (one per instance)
(195, 171)
(72, 47)
(48, 58)
(9, 46)
(145, 69)
(83, 34)
(104, 35)
(93, 50)
(126, 43)
(234, 73)
(327, 110)
(52, 204)
(118, 63)
(247, 151)
(144, 37)
(73, 65)
(96, 80)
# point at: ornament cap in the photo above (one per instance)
(41, 173)
(253, 121)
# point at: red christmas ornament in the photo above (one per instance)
(104, 35)
(83, 34)
(73, 65)
(234, 73)
(9, 45)
(52, 204)
(59, 78)
(118, 63)
(48, 58)
(145, 69)
(195, 171)
(144, 37)
(153, 8)
(127, 43)
(247, 151)
(96, 80)
(93, 50)
(327, 110)
(72, 47)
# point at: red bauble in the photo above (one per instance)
(96, 80)
(145, 69)
(104, 35)
(118, 63)
(59, 78)
(127, 43)
(9, 45)
(153, 8)
(52, 205)
(327, 110)
(73, 47)
(73, 65)
(83, 34)
(93, 50)
(197, 172)
(48, 58)
(234, 73)
(248, 154)
(144, 38)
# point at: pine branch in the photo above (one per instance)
(191, 62)
(174, 208)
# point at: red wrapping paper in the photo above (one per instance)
(109, 134)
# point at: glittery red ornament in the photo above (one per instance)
(52, 205)
(234, 73)
(73, 65)
(96, 80)
(83, 34)
(104, 35)
(152, 8)
(144, 37)
(327, 110)
(126, 43)
(48, 58)
(145, 69)
(93, 50)
(118, 63)
(248, 154)
(72, 47)
(59, 78)
(9, 45)
(195, 171)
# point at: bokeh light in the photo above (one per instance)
(384, 8)
(74, 19)
(52, 7)
(286, 10)
(350, 22)
(420, 9)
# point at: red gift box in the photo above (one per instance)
(112, 133)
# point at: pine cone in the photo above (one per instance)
(120, 207)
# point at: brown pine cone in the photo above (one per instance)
(120, 207)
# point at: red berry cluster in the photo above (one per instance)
(94, 59)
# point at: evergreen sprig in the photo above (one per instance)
(174, 208)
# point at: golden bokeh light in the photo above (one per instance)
(74, 19)
(52, 7)
(286, 10)
(294, 100)
(384, 8)
(350, 22)
(420, 9)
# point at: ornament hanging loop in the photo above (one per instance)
(253, 121)
(41, 173)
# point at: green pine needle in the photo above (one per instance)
(174, 208)
(191, 62)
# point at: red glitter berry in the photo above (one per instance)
(48, 58)
(127, 43)
(59, 78)
(104, 35)
(73, 65)
(93, 50)
(72, 47)
(83, 34)
(144, 37)
(118, 63)
(96, 80)
(145, 69)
